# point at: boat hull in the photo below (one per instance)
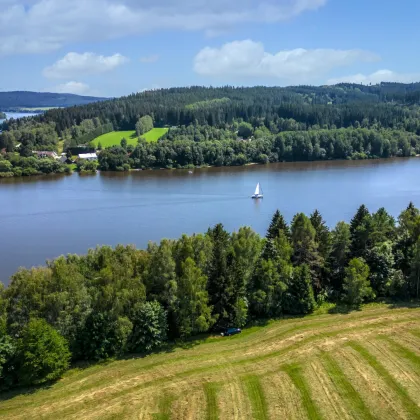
(256, 196)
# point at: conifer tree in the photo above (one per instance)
(277, 223)
(299, 298)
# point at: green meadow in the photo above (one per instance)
(362, 365)
(114, 138)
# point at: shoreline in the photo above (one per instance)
(316, 164)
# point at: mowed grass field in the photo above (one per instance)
(362, 365)
(114, 138)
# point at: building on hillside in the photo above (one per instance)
(46, 154)
(88, 156)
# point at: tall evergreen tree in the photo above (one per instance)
(339, 256)
(219, 286)
(305, 247)
(299, 298)
(360, 230)
(277, 223)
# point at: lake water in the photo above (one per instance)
(44, 217)
(17, 115)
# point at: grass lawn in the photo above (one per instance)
(155, 134)
(114, 138)
(361, 365)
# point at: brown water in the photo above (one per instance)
(43, 217)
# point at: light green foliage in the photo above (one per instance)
(85, 166)
(356, 286)
(43, 354)
(191, 307)
(144, 124)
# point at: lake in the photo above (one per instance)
(44, 217)
(17, 115)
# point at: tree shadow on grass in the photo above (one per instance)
(24, 391)
(344, 309)
(404, 304)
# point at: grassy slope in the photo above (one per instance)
(364, 365)
(114, 138)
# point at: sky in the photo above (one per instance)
(112, 48)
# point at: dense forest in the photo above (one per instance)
(234, 126)
(21, 99)
(3, 116)
(115, 301)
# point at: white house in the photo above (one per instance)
(88, 156)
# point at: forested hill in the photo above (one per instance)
(18, 99)
(338, 105)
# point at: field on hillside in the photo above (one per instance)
(114, 138)
(363, 365)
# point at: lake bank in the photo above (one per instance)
(46, 216)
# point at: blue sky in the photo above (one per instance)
(116, 47)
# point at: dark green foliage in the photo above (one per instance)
(360, 232)
(7, 359)
(277, 223)
(149, 327)
(42, 354)
(300, 295)
(245, 130)
(219, 284)
(339, 256)
(112, 301)
(104, 336)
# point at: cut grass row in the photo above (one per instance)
(114, 138)
(296, 368)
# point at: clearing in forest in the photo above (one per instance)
(362, 365)
(114, 138)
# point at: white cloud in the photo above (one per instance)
(74, 64)
(249, 59)
(152, 87)
(377, 77)
(35, 26)
(78, 88)
(149, 59)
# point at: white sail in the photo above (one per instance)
(257, 190)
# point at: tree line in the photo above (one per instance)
(120, 300)
(204, 145)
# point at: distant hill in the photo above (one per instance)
(17, 100)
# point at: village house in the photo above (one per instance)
(46, 154)
(88, 156)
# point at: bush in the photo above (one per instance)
(104, 336)
(149, 327)
(43, 354)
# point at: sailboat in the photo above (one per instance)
(258, 192)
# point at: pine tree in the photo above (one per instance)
(300, 295)
(322, 234)
(277, 223)
(360, 232)
(219, 284)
